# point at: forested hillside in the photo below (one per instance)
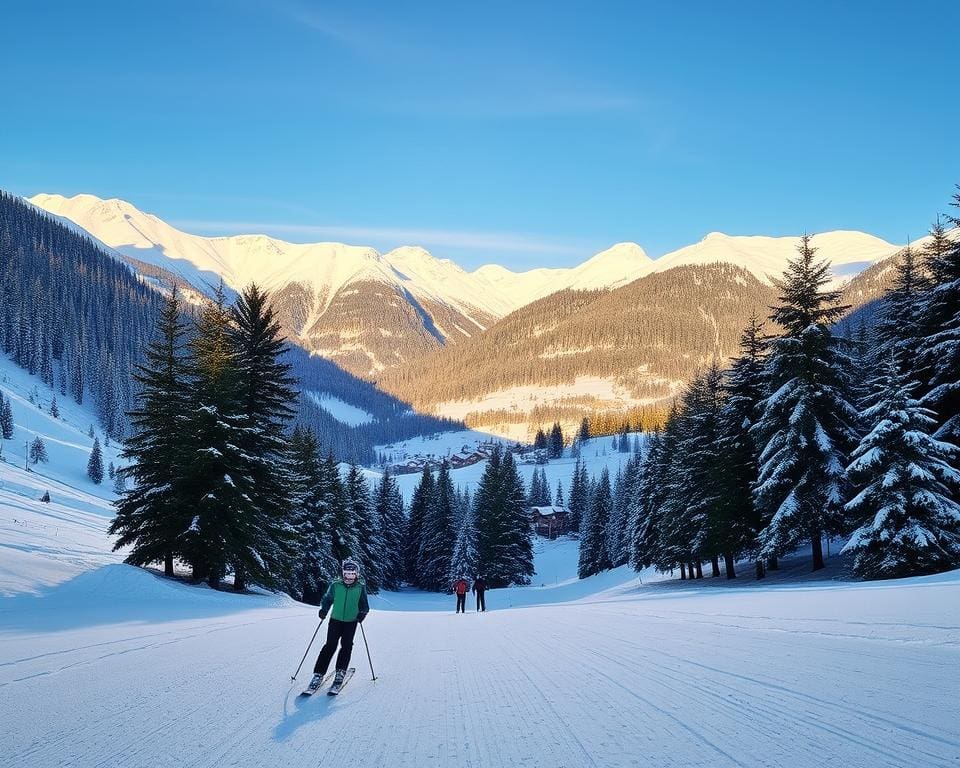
(649, 337)
(70, 313)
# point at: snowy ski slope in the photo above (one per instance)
(119, 668)
(102, 664)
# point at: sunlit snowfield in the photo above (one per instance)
(117, 667)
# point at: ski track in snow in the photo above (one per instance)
(710, 677)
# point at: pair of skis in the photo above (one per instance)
(334, 689)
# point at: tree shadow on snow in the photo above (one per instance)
(117, 593)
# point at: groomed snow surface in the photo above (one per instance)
(119, 667)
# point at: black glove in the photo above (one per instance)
(323, 614)
(361, 617)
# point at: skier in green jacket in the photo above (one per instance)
(348, 598)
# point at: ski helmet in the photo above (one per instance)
(350, 565)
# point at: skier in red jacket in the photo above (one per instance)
(460, 587)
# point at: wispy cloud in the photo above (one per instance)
(501, 242)
(430, 75)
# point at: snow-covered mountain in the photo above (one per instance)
(373, 312)
(848, 252)
(366, 310)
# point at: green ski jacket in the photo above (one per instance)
(349, 603)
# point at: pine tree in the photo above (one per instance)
(558, 496)
(744, 386)
(437, 535)
(119, 482)
(315, 567)
(540, 441)
(344, 527)
(95, 463)
(594, 557)
(153, 517)
(54, 409)
(504, 546)
(217, 474)
(578, 496)
(420, 503)
(6, 418)
(644, 509)
(898, 329)
(519, 535)
(111, 470)
(463, 562)
(265, 392)
(389, 509)
(806, 428)
(909, 524)
(38, 451)
(939, 319)
(584, 433)
(556, 441)
(372, 551)
(618, 542)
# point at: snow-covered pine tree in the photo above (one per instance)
(558, 496)
(593, 537)
(344, 529)
(539, 489)
(898, 329)
(685, 519)
(266, 394)
(616, 525)
(420, 503)
(393, 524)
(533, 498)
(940, 322)
(372, 552)
(578, 499)
(54, 408)
(152, 516)
(95, 463)
(313, 518)
(38, 451)
(438, 535)
(217, 472)
(519, 533)
(620, 553)
(6, 418)
(806, 428)
(645, 507)
(908, 522)
(463, 561)
(504, 548)
(745, 385)
(119, 482)
(111, 470)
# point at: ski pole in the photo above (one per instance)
(294, 677)
(364, 636)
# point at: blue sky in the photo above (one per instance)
(529, 134)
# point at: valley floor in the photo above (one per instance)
(160, 674)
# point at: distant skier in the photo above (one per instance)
(479, 587)
(460, 590)
(348, 597)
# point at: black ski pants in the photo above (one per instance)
(337, 632)
(462, 603)
(481, 604)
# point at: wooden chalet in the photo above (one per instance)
(549, 522)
